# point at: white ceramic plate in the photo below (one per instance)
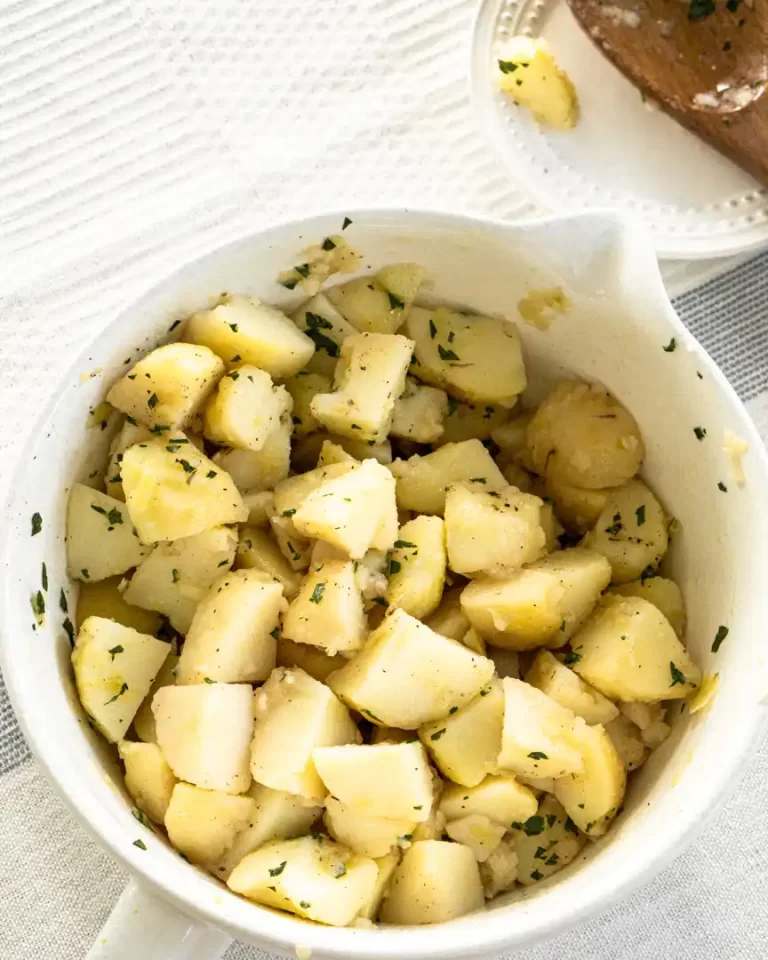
(622, 155)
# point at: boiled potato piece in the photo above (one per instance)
(474, 641)
(114, 668)
(328, 611)
(205, 824)
(546, 842)
(101, 541)
(303, 388)
(205, 731)
(628, 740)
(144, 721)
(296, 550)
(577, 508)
(311, 877)
(327, 328)
(384, 780)
(521, 612)
(475, 358)
(245, 409)
(148, 778)
(499, 872)
(422, 481)
(643, 715)
(232, 637)
(592, 796)
(386, 865)
(493, 532)
(436, 881)
(307, 451)
(348, 511)
(628, 651)
(369, 377)
(257, 550)
(468, 421)
(260, 470)
(367, 835)
(583, 574)
(379, 304)
(549, 675)
(465, 745)
(391, 735)
(481, 834)
(292, 492)
(517, 477)
(631, 532)
(501, 798)
(261, 506)
(168, 386)
(312, 660)
(551, 527)
(175, 576)
(528, 72)
(510, 437)
(131, 432)
(407, 674)
(582, 435)
(419, 413)
(417, 567)
(254, 332)
(449, 619)
(295, 714)
(537, 739)
(104, 599)
(331, 452)
(172, 490)
(662, 593)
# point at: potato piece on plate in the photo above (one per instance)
(407, 674)
(493, 532)
(537, 739)
(528, 72)
(436, 881)
(552, 677)
(475, 358)
(662, 593)
(417, 566)
(172, 490)
(101, 540)
(175, 576)
(631, 532)
(449, 619)
(629, 651)
(168, 386)
(257, 550)
(386, 865)
(386, 780)
(546, 842)
(148, 778)
(367, 835)
(104, 599)
(295, 714)
(232, 637)
(481, 834)
(328, 611)
(205, 824)
(245, 409)
(465, 745)
(254, 332)
(521, 612)
(311, 877)
(469, 421)
(144, 721)
(583, 436)
(499, 797)
(422, 481)
(419, 413)
(312, 660)
(204, 731)
(260, 470)
(592, 796)
(369, 377)
(303, 388)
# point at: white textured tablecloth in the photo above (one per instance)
(135, 134)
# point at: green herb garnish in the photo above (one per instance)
(640, 515)
(395, 303)
(572, 657)
(699, 432)
(316, 323)
(328, 244)
(38, 606)
(140, 844)
(538, 755)
(446, 354)
(437, 734)
(115, 650)
(722, 633)
(153, 401)
(671, 346)
(276, 871)
(317, 593)
(677, 675)
(533, 826)
(118, 694)
(37, 524)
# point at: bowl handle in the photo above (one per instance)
(142, 925)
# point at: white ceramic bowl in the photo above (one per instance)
(619, 322)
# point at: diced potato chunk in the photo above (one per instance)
(511, 438)
(521, 612)
(245, 327)
(662, 593)
(205, 824)
(546, 843)
(128, 434)
(465, 745)
(295, 714)
(245, 409)
(499, 872)
(628, 740)
(643, 715)
(144, 721)
(474, 641)
(369, 377)
(473, 357)
(260, 470)
(407, 675)
(549, 675)
(493, 532)
(417, 567)
(628, 651)
(386, 865)
(449, 619)
(422, 481)
(592, 796)
(631, 532)
(257, 550)
(481, 834)
(468, 421)
(582, 435)
(172, 490)
(232, 638)
(296, 550)
(385, 780)
(303, 388)
(312, 660)
(326, 327)
(104, 599)
(501, 798)
(331, 452)
(175, 576)
(577, 508)
(527, 70)
(367, 835)
(328, 611)
(261, 506)
(168, 386)
(311, 877)
(436, 881)
(205, 731)
(379, 304)
(101, 541)
(583, 574)
(148, 778)
(114, 668)
(292, 492)
(537, 739)
(419, 413)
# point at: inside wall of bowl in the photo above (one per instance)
(614, 333)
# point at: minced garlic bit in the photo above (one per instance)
(540, 307)
(706, 693)
(734, 447)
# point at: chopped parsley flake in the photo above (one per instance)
(346, 223)
(211, 474)
(153, 401)
(671, 346)
(233, 327)
(677, 675)
(317, 593)
(437, 734)
(640, 515)
(276, 871)
(616, 526)
(142, 818)
(722, 486)
(571, 827)
(275, 633)
(120, 692)
(304, 904)
(289, 284)
(395, 303)
(140, 844)
(699, 432)
(288, 513)
(453, 710)
(536, 875)
(208, 680)
(303, 270)
(175, 575)
(37, 524)
(38, 606)
(404, 544)
(174, 325)
(44, 576)
(394, 566)
(131, 420)
(432, 329)
(453, 405)
(328, 244)
(381, 601)
(533, 826)
(63, 605)
(538, 755)
(69, 629)
(477, 480)
(233, 374)
(699, 9)
(507, 66)
(371, 715)
(722, 633)
(115, 650)
(316, 323)
(446, 354)
(571, 657)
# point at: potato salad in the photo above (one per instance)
(375, 640)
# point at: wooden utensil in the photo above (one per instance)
(705, 62)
